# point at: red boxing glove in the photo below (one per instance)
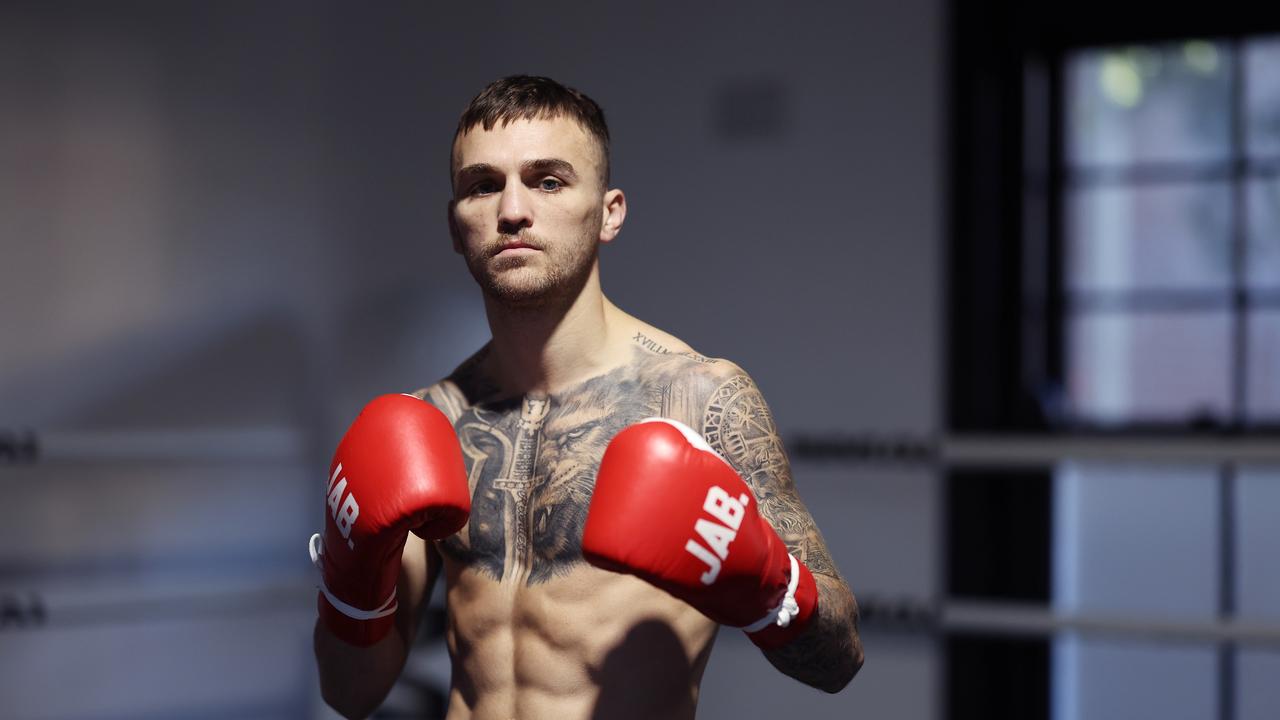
(668, 509)
(398, 468)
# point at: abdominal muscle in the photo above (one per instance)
(587, 644)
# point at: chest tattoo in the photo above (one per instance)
(532, 463)
(518, 484)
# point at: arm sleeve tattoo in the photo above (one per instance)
(739, 425)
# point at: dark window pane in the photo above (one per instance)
(1175, 236)
(998, 534)
(1262, 95)
(1125, 367)
(1262, 398)
(1149, 104)
(997, 678)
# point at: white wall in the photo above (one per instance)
(231, 215)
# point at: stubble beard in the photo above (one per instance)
(553, 278)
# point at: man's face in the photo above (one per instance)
(528, 208)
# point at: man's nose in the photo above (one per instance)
(514, 210)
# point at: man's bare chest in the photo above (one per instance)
(532, 466)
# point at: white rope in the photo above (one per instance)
(787, 609)
(317, 559)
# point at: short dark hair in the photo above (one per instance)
(530, 97)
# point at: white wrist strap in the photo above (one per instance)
(787, 609)
(317, 559)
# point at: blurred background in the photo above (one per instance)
(1008, 273)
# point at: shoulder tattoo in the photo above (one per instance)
(739, 425)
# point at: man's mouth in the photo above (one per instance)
(515, 248)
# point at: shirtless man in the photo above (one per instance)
(534, 630)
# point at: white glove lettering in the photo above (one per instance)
(717, 535)
(344, 512)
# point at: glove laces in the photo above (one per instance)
(787, 609)
(317, 559)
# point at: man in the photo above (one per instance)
(688, 519)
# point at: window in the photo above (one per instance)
(1114, 301)
(1171, 233)
(1170, 227)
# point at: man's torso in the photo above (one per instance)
(533, 630)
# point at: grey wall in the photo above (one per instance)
(231, 216)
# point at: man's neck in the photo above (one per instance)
(541, 350)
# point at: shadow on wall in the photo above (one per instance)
(216, 372)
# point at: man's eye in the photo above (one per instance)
(577, 433)
(550, 184)
(484, 187)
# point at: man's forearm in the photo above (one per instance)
(355, 680)
(829, 652)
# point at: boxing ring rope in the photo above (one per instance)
(276, 443)
(31, 611)
(255, 444)
(1014, 619)
(53, 604)
(77, 607)
(911, 615)
(1022, 451)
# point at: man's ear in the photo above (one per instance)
(453, 229)
(613, 212)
